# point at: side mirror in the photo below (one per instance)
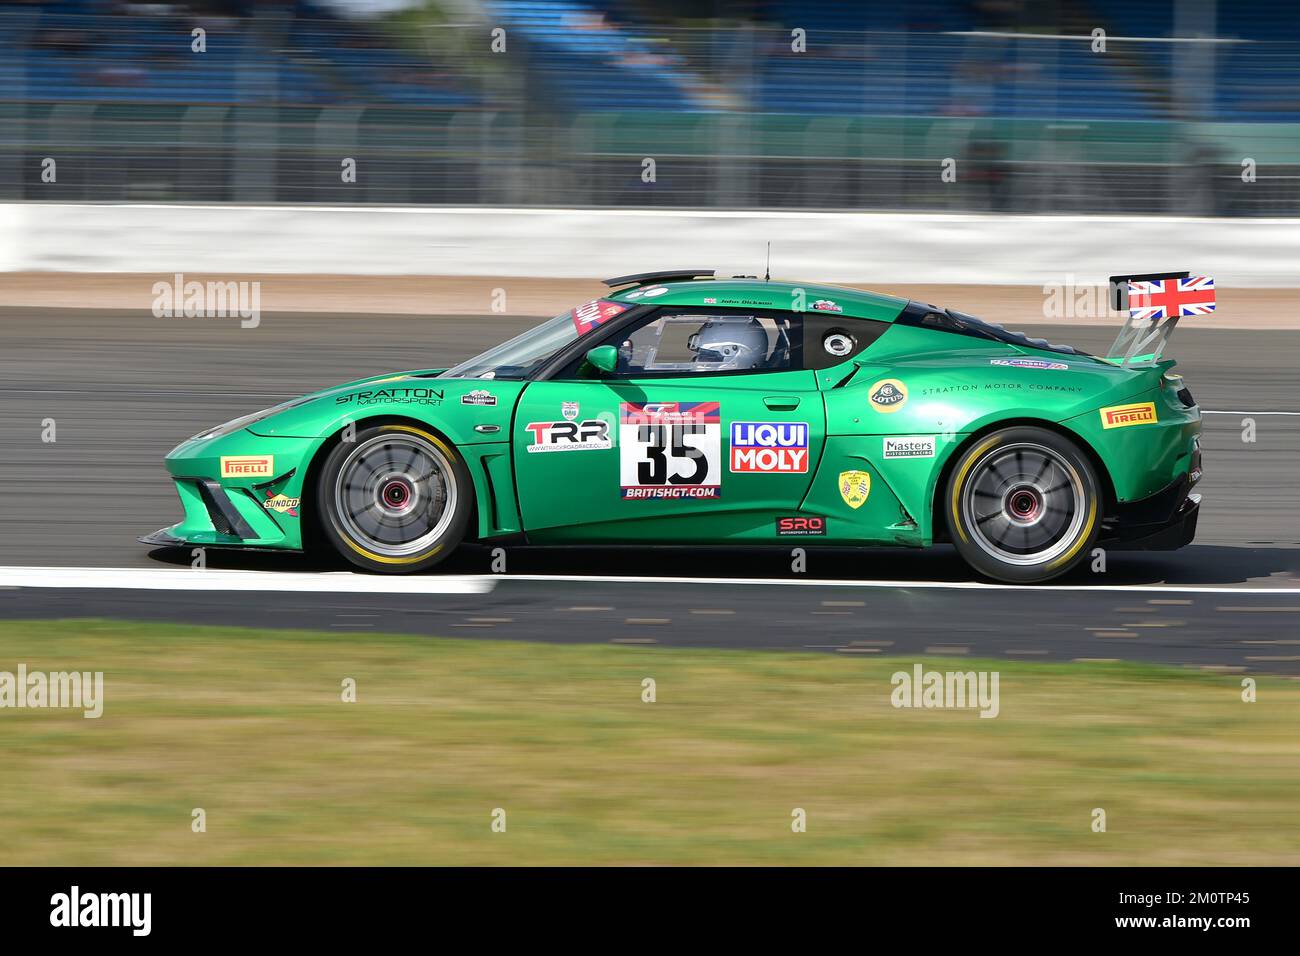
(604, 358)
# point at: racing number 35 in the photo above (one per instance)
(670, 450)
(654, 471)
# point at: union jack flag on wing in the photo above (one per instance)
(1162, 298)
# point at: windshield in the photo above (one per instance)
(523, 355)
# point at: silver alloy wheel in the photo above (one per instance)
(395, 494)
(1024, 503)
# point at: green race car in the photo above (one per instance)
(687, 410)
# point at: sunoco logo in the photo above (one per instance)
(912, 446)
(282, 504)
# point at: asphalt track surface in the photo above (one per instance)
(123, 388)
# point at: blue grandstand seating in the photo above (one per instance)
(73, 51)
(906, 58)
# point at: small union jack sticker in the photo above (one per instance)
(1161, 298)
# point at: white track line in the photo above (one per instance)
(1207, 412)
(344, 582)
(187, 579)
(901, 585)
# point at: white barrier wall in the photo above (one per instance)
(582, 244)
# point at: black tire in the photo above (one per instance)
(1023, 505)
(395, 500)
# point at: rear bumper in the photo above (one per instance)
(1172, 536)
(1164, 521)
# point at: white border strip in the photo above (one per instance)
(346, 582)
(168, 579)
(1230, 412)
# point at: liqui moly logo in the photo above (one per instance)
(595, 313)
(780, 447)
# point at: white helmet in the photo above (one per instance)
(727, 343)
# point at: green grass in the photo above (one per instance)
(250, 726)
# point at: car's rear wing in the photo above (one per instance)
(1154, 302)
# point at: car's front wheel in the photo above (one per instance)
(1023, 505)
(396, 500)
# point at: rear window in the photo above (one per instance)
(949, 320)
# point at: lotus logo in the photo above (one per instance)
(888, 395)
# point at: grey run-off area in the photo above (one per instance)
(125, 387)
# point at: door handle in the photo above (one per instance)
(781, 403)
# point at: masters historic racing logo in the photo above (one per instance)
(769, 447)
(247, 466)
(670, 450)
(910, 446)
(1121, 416)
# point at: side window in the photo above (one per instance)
(829, 340)
(697, 342)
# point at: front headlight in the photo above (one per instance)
(235, 424)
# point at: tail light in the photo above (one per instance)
(1180, 388)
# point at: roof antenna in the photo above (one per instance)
(768, 276)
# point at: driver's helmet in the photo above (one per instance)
(725, 344)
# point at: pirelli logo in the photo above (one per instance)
(1121, 416)
(247, 466)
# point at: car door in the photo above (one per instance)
(679, 444)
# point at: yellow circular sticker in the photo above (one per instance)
(887, 395)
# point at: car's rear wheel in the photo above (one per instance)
(1023, 504)
(396, 500)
